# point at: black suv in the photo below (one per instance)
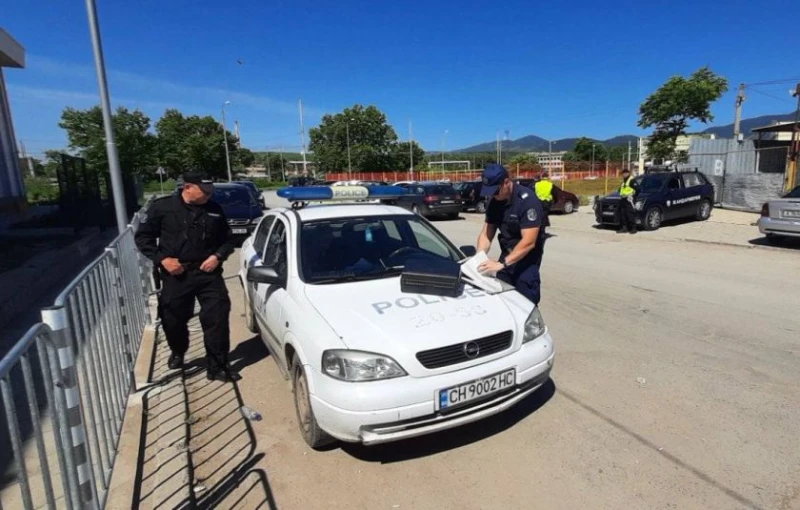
(471, 195)
(661, 197)
(431, 199)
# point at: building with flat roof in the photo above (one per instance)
(12, 189)
(551, 162)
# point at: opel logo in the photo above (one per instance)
(471, 350)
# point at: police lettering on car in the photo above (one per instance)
(188, 238)
(517, 214)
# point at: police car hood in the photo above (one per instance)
(376, 316)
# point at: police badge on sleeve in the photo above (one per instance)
(531, 214)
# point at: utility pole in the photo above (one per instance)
(283, 170)
(349, 163)
(592, 169)
(303, 138)
(444, 141)
(225, 142)
(410, 152)
(497, 149)
(117, 187)
(737, 114)
(269, 170)
(629, 156)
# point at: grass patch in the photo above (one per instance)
(587, 188)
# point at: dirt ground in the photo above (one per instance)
(675, 386)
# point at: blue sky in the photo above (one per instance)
(554, 69)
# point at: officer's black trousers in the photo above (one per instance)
(627, 216)
(525, 279)
(177, 307)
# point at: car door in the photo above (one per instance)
(675, 196)
(271, 298)
(254, 253)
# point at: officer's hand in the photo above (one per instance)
(172, 265)
(210, 264)
(490, 267)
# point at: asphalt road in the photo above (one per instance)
(675, 386)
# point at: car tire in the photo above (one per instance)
(569, 207)
(703, 211)
(312, 434)
(249, 316)
(480, 207)
(452, 216)
(653, 218)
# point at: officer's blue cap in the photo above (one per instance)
(493, 176)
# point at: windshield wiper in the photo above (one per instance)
(369, 275)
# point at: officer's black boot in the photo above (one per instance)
(226, 375)
(175, 361)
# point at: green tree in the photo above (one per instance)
(670, 108)
(371, 140)
(617, 153)
(585, 147)
(244, 157)
(136, 146)
(196, 143)
(524, 159)
(400, 159)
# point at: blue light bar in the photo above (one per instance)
(331, 193)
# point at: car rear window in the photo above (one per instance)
(691, 180)
(440, 190)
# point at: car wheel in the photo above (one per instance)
(452, 216)
(704, 210)
(652, 220)
(569, 208)
(313, 435)
(249, 315)
(481, 207)
(415, 209)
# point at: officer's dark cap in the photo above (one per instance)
(493, 176)
(625, 171)
(200, 179)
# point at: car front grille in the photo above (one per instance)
(457, 353)
(237, 223)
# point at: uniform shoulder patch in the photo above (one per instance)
(531, 214)
(524, 195)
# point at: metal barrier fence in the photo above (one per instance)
(81, 358)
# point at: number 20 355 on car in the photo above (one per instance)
(473, 390)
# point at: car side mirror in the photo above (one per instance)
(469, 251)
(265, 275)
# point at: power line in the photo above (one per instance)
(774, 82)
(770, 95)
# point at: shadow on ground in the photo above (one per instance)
(787, 243)
(199, 451)
(454, 438)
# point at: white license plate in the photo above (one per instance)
(473, 390)
(239, 230)
(608, 213)
(447, 202)
(790, 214)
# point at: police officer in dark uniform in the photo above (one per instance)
(515, 211)
(187, 237)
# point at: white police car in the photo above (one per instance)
(368, 362)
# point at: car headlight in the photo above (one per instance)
(639, 205)
(255, 221)
(358, 366)
(534, 326)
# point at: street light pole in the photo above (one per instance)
(225, 137)
(444, 139)
(117, 186)
(349, 164)
(592, 157)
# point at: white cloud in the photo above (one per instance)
(73, 98)
(165, 89)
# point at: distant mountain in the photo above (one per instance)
(747, 125)
(533, 143)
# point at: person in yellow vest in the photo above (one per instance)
(544, 192)
(627, 194)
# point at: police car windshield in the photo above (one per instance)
(347, 249)
(650, 183)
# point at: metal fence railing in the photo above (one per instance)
(65, 384)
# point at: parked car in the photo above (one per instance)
(661, 197)
(368, 362)
(303, 180)
(432, 199)
(255, 191)
(471, 196)
(780, 218)
(241, 209)
(563, 201)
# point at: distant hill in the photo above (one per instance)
(533, 143)
(747, 125)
